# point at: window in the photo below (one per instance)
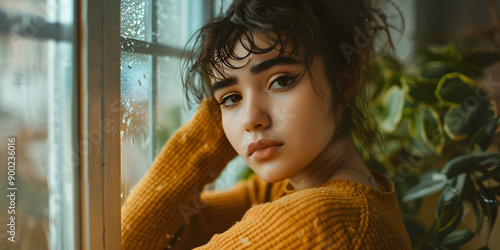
(153, 36)
(38, 128)
(87, 88)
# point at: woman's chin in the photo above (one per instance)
(270, 175)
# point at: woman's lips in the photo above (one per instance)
(267, 152)
(264, 148)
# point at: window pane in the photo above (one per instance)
(177, 20)
(148, 119)
(30, 7)
(221, 5)
(38, 108)
(136, 98)
(136, 19)
(169, 111)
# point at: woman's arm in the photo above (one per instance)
(168, 195)
(291, 222)
(221, 209)
(319, 218)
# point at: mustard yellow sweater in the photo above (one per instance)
(168, 210)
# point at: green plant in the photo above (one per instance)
(434, 110)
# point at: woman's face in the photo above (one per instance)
(270, 113)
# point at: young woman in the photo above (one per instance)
(280, 84)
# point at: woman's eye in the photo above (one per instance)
(283, 81)
(232, 99)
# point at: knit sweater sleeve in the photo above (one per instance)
(342, 216)
(299, 221)
(168, 195)
(217, 211)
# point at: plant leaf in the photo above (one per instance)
(429, 135)
(487, 164)
(470, 196)
(435, 69)
(385, 73)
(488, 130)
(402, 187)
(454, 88)
(495, 160)
(418, 148)
(421, 90)
(449, 209)
(454, 121)
(426, 188)
(435, 52)
(464, 163)
(393, 108)
(433, 174)
(452, 194)
(490, 207)
(461, 122)
(448, 221)
(458, 238)
(486, 172)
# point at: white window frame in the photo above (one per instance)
(99, 48)
(99, 109)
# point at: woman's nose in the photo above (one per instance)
(256, 116)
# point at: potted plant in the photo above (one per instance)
(438, 121)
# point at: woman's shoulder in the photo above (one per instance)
(343, 189)
(344, 211)
(333, 194)
(339, 212)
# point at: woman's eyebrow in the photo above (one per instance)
(256, 69)
(265, 65)
(223, 84)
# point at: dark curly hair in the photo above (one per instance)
(341, 32)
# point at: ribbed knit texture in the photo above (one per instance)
(166, 209)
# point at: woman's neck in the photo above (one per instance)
(339, 161)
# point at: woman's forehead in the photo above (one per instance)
(248, 49)
(255, 64)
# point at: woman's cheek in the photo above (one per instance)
(232, 131)
(226, 126)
